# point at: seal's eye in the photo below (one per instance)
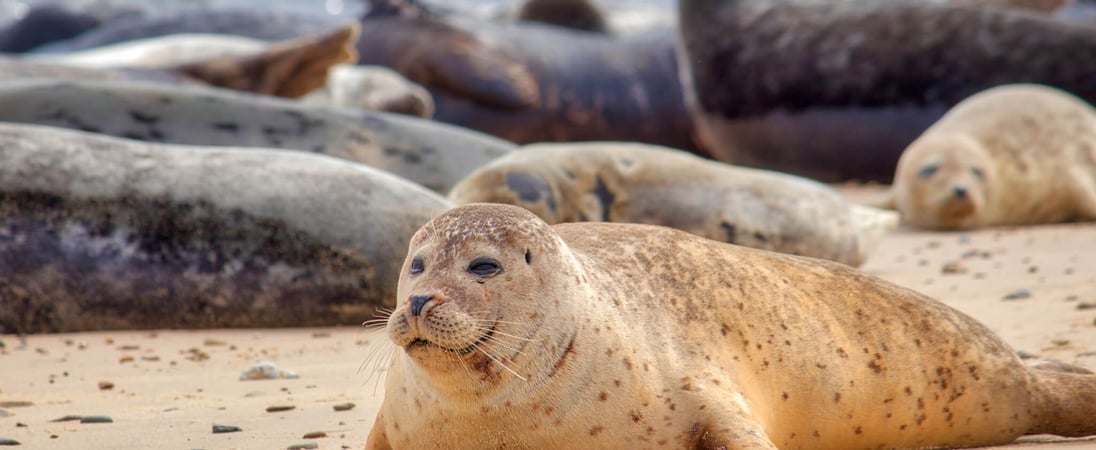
(416, 265)
(977, 173)
(484, 267)
(927, 171)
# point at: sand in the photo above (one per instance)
(1035, 286)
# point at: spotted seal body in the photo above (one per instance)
(434, 155)
(637, 183)
(99, 232)
(511, 333)
(773, 83)
(1011, 155)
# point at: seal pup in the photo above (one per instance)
(1019, 154)
(103, 233)
(432, 154)
(772, 86)
(374, 88)
(638, 183)
(531, 82)
(511, 333)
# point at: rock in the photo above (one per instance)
(225, 429)
(266, 370)
(1017, 295)
(96, 419)
(344, 407)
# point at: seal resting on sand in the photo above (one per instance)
(1013, 155)
(516, 334)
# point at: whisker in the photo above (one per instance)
(497, 332)
(496, 360)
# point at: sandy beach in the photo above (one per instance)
(1035, 286)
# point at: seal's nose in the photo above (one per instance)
(959, 191)
(417, 301)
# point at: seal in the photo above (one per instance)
(53, 21)
(575, 86)
(106, 233)
(373, 88)
(1019, 154)
(432, 154)
(638, 183)
(291, 68)
(582, 15)
(772, 86)
(511, 333)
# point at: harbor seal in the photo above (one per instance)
(771, 84)
(291, 68)
(373, 88)
(104, 233)
(638, 183)
(1011, 155)
(511, 333)
(581, 15)
(432, 154)
(531, 82)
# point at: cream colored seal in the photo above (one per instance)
(1012, 155)
(638, 183)
(515, 334)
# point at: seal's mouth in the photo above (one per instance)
(423, 343)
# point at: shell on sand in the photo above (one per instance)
(98, 232)
(625, 182)
(432, 154)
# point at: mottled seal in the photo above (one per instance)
(772, 85)
(1011, 155)
(627, 182)
(160, 51)
(531, 82)
(98, 232)
(515, 334)
(432, 154)
(290, 68)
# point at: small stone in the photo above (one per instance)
(1072, 298)
(1060, 342)
(125, 359)
(954, 267)
(280, 408)
(1033, 269)
(21, 425)
(321, 334)
(15, 403)
(152, 358)
(105, 385)
(217, 429)
(69, 342)
(315, 435)
(265, 370)
(253, 394)
(96, 419)
(68, 418)
(129, 348)
(304, 446)
(1017, 295)
(6, 441)
(343, 407)
(1086, 306)
(210, 342)
(4, 413)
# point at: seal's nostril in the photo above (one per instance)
(960, 191)
(417, 301)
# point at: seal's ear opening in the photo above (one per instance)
(528, 257)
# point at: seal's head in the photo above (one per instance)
(942, 182)
(478, 285)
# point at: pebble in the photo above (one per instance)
(15, 403)
(125, 359)
(129, 347)
(1017, 295)
(68, 418)
(6, 441)
(96, 419)
(315, 435)
(4, 413)
(105, 385)
(210, 342)
(280, 408)
(225, 429)
(954, 267)
(321, 334)
(21, 425)
(266, 370)
(343, 407)
(1085, 306)
(304, 446)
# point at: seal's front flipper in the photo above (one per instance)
(468, 68)
(287, 69)
(884, 202)
(730, 428)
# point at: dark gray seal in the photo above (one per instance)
(582, 15)
(55, 21)
(837, 89)
(532, 82)
(432, 154)
(98, 233)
